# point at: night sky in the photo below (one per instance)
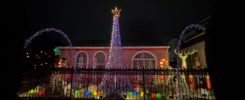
(89, 23)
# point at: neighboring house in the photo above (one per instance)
(193, 39)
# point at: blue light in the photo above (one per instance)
(135, 93)
(87, 93)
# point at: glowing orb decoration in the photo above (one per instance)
(77, 91)
(153, 95)
(99, 93)
(41, 93)
(31, 91)
(87, 93)
(130, 93)
(141, 94)
(95, 93)
(134, 93)
(159, 95)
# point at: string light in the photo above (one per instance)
(115, 59)
(40, 32)
(179, 76)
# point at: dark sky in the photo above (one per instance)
(142, 22)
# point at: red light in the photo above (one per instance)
(41, 93)
(161, 77)
(99, 93)
(153, 95)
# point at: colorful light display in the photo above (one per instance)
(115, 60)
(179, 76)
(87, 84)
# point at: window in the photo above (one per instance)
(193, 61)
(99, 60)
(145, 60)
(82, 60)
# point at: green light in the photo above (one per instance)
(159, 95)
(77, 91)
(57, 51)
(130, 93)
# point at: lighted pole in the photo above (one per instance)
(179, 82)
(115, 60)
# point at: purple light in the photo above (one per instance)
(115, 60)
(40, 32)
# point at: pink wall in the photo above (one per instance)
(159, 52)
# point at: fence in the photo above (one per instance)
(147, 84)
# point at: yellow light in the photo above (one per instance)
(116, 12)
(95, 93)
(142, 94)
(31, 91)
(161, 62)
